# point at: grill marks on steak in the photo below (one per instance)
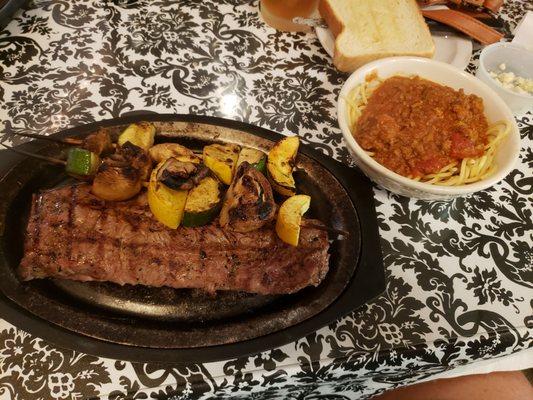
(74, 235)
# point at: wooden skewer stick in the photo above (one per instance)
(328, 229)
(70, 141)
(50, 160)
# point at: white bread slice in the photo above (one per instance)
(367, 30)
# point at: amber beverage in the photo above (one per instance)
(279, 13)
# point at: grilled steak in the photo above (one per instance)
(74, 235)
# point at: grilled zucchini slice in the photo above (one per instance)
(163, 151)
(166, 204)
(280, 165)
(203, 202)
(256, 158)
(140, 134)
(290, 218)
(222, 160)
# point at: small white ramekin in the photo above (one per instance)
(516, 59)
(444, 74)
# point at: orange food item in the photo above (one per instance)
(416, 127)
(279, 13)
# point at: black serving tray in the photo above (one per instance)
(108, 320)
(7, 9)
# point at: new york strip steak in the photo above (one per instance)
(73, 235)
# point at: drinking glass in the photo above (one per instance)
(280, 13)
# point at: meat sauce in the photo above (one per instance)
(416, 127)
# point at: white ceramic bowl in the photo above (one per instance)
(495, 110)
(518, 60)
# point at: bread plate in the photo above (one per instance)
(450, 49)
(167, 325)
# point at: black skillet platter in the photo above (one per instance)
(140, 323)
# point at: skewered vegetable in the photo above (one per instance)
(203, 202)
(140, 134)
(163, 151)
(98, 142)
(166, 204)
(137, 158)
(249, 202)
(256, 158)
(181, 175)
(222, 160)
(280, 165)
(290, 217)
(81, 162)
(116, 182)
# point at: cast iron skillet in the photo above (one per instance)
(160, 324)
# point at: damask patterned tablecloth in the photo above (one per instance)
(459, 273)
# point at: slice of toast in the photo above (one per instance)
(367, 30)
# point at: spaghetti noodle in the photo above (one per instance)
(460, 170)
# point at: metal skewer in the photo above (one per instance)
(70, 141)
(328, 229)
(50, 160)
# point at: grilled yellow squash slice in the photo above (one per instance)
(222, 160)
(280, 165)
(140, 134)
(166, 204)
(290, 216)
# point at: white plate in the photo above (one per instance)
(450, 49)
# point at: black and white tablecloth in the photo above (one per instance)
(459, 274)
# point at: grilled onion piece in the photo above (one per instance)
(163, 151)
(120, 175)
(249, 202)
(116, 182)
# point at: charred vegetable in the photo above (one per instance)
(120, 175)
(203, 202)
(99, 142)
(137, 158)
(222, 160)
(116, 181)
(249, 203)
(166, 204)
(280, 165)
(180, 175)
(256, 158)
(82, 162)
(140, 134)
(163, 151)
(290, 217)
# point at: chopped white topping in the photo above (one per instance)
(509, 80)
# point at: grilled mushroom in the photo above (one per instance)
(181, 175)
(99, 142)
(136, 157)
(249, 202)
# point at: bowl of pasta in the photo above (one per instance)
(425, 129)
